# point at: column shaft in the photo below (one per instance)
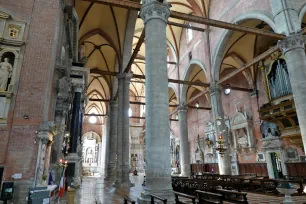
(158, 163)
(119, 126)
(224, 161)
(184, 143)
(105, 145)
(111, 170)
(294, 51)
(126, 130)
(76, 122)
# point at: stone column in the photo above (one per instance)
(45, 135)
(184, 143)
(293, 48)
(126, 131)
(112, 159)
(224, 161)
(158, 163)
(42, 147)
(105, 145)
(119, 129)
(74, 155)
(76, 121)
(47, 160)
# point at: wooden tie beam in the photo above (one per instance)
(142, 103)
(96, 71)
(246, 66)
(132, 117)
(195, 19)
(136, 50)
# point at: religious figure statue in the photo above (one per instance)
(5, 73)
(242, 138)
(89, 155)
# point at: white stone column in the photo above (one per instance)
(105, 145)
(112, 159)
(158, 163)
(42, 148)
(126, 131)
(293, 48)
(224, 161)
(184, 144)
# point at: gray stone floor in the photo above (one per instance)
(96, 189)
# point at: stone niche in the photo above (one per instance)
(11, 40)
(210, 155)
(242, 131)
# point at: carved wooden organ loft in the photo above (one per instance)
(280, 108)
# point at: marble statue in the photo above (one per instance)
(242, 138)
(5, 73)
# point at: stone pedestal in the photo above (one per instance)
(224, 161)
(112, 159)
(74, 158)
(158, 163)
(184, 143)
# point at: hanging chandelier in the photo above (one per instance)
(220, 146)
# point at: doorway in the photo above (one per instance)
(276, 165)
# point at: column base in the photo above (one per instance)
(163, 193)
(184, 174)
(123, 185)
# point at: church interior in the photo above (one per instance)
(152, 101)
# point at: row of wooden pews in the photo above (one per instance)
(203, 197)
(127, 199)
(250, 182)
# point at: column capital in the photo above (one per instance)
(125, 76)
(292, 42)
(182, 108)
(113, 104)
(153, 9)
(214, 88)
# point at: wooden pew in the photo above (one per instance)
(190, 197)
(128, 200)
(233, 196)
(157, 198)
(209, 198)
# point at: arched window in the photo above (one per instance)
(189, 34)
(278, 79)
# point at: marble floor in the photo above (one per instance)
(95, 190)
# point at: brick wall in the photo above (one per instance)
(34, 96)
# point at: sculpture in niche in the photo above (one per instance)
(241, 126)
(199, 155)
(89, 155)
(242, 138)
(269, 130)
(5, 73)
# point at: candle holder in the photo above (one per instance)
(220, 147)
(62, 163)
